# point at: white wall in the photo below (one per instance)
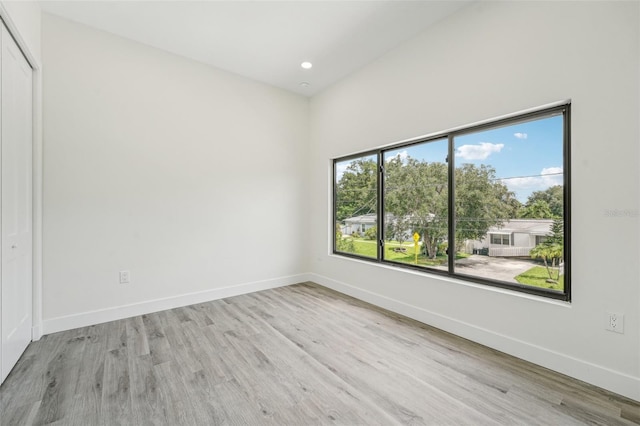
(491, 59)
(189, 177)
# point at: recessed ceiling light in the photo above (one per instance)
(306, 65)
(305, 84)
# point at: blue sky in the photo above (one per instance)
(527, 155)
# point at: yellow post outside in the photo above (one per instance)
(416, 238)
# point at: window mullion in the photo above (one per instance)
(451, 245)
(334, 219)
(380, 210)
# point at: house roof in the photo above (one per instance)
(528, 226)
(524, 226)
(370, 218)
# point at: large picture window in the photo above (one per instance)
(487, 203)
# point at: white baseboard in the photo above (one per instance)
(84, 319)
(36, 332)
(597, 375)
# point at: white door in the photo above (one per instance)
(15, 219)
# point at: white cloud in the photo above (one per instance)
(478, 152)
(520, 135)
(402, 155)
(552, 175)
(549, 176)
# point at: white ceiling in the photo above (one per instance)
(266, 40)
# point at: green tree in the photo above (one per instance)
(416, 197)
(538, 209)
(416, 194)
(397, 229)
(481, 201)
(357, 189)
(551, 250)
(553, 196)
(513, 205)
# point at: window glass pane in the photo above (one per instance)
(356, 206)
(509, 203)
(415, 204)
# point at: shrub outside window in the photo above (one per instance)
(487, 203)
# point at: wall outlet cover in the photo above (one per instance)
(614, 321)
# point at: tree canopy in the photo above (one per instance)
(539, 209)
(357, 189)
(482, 201)
(545, 204)
(416, 199)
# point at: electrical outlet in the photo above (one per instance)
(614, 322)
(124, 277)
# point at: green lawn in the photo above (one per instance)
(537, 277)
(368, 248)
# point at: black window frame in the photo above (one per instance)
(563, 108)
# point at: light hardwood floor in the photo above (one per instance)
(296, 355)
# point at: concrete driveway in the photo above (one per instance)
(497, 268)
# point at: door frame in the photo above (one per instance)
(36, 66)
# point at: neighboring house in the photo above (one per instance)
(358, 224)
(515, 237)
(362, 223)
